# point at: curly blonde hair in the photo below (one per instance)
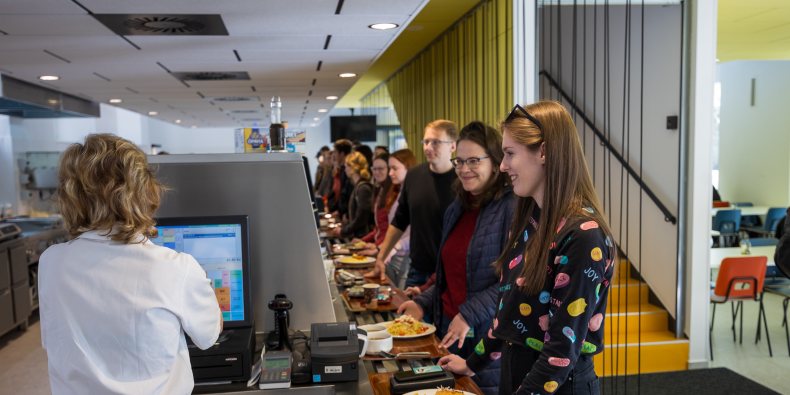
(105, 183)
(359, 164)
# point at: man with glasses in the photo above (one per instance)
(426, 194)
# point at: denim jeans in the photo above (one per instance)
(397, 270)
(417, 277)
(517, 362)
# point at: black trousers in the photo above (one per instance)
(517, 361)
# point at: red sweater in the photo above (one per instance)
(454, 262)
(382, 224)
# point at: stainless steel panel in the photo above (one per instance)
(6, 311)
(5, 270)
(21, 294)
(285, 254)
(18, 264)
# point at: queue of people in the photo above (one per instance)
(504, 247)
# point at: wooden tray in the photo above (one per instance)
(381, 383)
(423, 344)
(358, 305)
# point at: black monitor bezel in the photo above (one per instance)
(244, 221)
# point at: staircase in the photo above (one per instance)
(660, 350)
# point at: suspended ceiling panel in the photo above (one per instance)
(278, 43)
(757, 29)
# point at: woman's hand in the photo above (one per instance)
(370, 249)
(378, 271)
(356, 240)
(412, 291)
(455, 364)
(457, 331)
(412, 309)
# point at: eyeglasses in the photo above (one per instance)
(530, 117)
(379, 168)
(435, 143)
(473, 163)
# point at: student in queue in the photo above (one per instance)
(398, 261)
(114, 306)
(360, 206)
(426, 194)
(380, 171)
(557, 265)
(342, 185)
(463, 300)
(381, 149)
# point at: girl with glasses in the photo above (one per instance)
(556, 268)
(463, 299)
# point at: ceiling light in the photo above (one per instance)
(52, 101)
(178, 121)
(348, 75)
(312, 124)
(331, 98)
(152, 113)
(194, 126)
(115, 100)
(316, 119)
(383, 26)
(323, 110)
(49, 78)
(718, 60)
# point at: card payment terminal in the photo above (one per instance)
(275, 370)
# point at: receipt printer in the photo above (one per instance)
(336, 349)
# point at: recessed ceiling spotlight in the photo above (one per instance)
(178, 121)
(194, 126)
(115, 100)
(383, 26)
(348, 75)
(312, 124)
(152, 113)
(323, 110)
(52, 101)
(331, 98)
(49, 78)
(316, 119)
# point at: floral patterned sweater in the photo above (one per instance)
(567, 318)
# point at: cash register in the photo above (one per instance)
(221, 246)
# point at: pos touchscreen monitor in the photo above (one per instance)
(221, 246)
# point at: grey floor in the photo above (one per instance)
(23, 363)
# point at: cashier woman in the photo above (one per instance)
(114, 306)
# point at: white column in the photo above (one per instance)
(524, 52)
(702, 76)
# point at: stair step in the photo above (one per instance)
(633, 323)
(660, 352)
(631, 306)
(621, 292)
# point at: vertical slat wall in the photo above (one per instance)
(465, 75)
(388, 131)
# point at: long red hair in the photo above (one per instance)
(406, 157)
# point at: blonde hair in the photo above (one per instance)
(568, 190)
(105, 182)
(448, 127)
(359, 164)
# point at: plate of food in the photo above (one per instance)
(406, 327)
(355, 259)
(440, 391)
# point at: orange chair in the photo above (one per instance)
(740, 279)
(721, 204)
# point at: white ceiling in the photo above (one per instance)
(280, 43)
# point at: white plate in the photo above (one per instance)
(350, 261)
(431, 330)
(433, 392)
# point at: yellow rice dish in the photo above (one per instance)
(406, 325)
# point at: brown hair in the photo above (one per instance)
(406, 157)
(384, 187)
(567, 192)
(448, 126)
(343, 146)
(105, 182)
(358, 162)
(491, 141)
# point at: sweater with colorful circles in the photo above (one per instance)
(567, 318)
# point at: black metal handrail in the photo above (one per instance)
(667, 215)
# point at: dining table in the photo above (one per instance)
(753, 210)
(719, 254)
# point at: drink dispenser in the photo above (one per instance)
(276, 130)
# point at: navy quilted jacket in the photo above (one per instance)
(482, 286)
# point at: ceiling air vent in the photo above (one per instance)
(244, 111)
(251, 119)
(164, 24)
(211, 75)
(234, 98)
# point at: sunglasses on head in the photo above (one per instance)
(530, 117)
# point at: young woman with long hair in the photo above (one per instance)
(380, 170)
(360, 204)
(557, 265)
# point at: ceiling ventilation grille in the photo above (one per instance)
(244, 111)
(234, 98)
(211, 75)
(164, 25)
